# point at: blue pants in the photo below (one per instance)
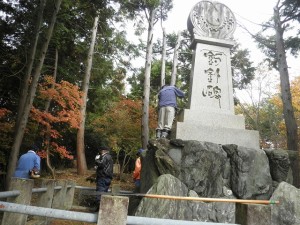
(137, 183)
(102, 185)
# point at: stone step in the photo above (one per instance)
(219, 135)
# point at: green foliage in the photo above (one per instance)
(266, 119)
(138, 11)
(137, 80)
(16, 26)
(293, 43)
(289, 13)
(120, 125)
(165, 6)
(133, 8)
(291, 9)
(184, 62)
(242, 69)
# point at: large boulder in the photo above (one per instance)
(193, 162)
(250, 172)
(162, 157)
(205, 168)
(149, 172)
(287, 212)
(183, 209)
(279, 161)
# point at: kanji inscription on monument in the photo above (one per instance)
(213, 72)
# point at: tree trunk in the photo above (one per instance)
(175, 60)
(48, 128)
(163, 60)
(288, 111)
(29, 100)
(31, 56)
(48, 161)
(24, 92)
(146, 93)
(81, 160)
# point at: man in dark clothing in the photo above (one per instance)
(167, 103)
(104, 171)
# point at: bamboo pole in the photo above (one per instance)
(246, 201)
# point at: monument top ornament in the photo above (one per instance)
(211, 19)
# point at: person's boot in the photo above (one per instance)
(164, 133)
(158, 133)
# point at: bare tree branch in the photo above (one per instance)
(260, 39)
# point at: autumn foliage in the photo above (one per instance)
(62, 115)
(121, 124)
(6, 131)
(277, 102)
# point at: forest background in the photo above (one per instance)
(66, 67)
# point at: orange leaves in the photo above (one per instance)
(277, 103)
(6, 128)
(5, 122)
(65, 95)
(4, 112)
(42, 154)
(65, 103)
(295, 90)
(42, 117)
(61, 150)
(57, 109)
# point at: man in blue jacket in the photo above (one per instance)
(167, 102)
(28, 162)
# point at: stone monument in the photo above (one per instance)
(210, 114)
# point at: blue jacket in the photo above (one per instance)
(167, 96)
(27, 162)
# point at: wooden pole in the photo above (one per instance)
(246, 201)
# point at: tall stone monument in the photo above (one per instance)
(210, 114)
